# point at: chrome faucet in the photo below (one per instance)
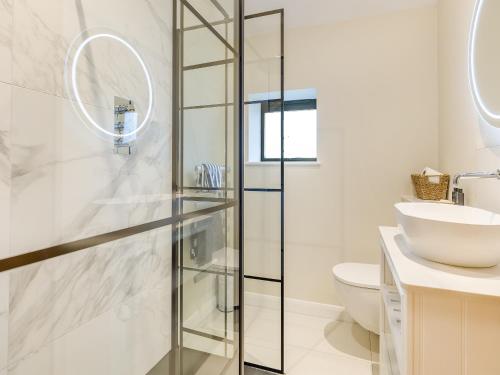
(458, 194)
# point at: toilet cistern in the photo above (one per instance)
(458, 193)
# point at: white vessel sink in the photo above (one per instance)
(449, 234)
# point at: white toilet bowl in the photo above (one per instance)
(358, 286)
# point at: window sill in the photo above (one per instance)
(287, 163)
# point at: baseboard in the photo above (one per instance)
(298, 306)
(292, 305)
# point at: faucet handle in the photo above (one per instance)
(458, 196)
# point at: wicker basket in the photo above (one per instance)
(428, 190)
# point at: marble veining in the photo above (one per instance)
(34, 36)
(5, 169)
(49, 299)
(4, 158)
(42, 39)
(60, 174)
(6, 24)
(5, 125)
(128, 339)
(111, 302)
(60, 168)
(4, 319)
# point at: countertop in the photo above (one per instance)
(415, 272)
(411, 198)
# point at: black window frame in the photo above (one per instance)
(275, 106)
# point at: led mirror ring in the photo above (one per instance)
(476, 92)
(77, 94)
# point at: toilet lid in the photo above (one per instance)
(361, 275)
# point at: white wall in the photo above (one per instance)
(376, 82)
(466, 143)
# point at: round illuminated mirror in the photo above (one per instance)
(110, 84)
(484, 60)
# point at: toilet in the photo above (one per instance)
(358, 287)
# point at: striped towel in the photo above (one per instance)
(210, 176)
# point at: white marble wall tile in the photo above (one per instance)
(126, 340)
(6, 21)
(44, 32)
(67, 182)
(4, 319)
(63, 174)
(55, 297)
(5, 169)
(105, 310)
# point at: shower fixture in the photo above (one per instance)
(125, 123)
(80, 100)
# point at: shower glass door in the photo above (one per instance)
(119, 178)
(206, 183)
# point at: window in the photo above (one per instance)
(300, 130)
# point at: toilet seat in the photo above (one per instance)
(360, 275)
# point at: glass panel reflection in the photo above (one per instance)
(263, 323)
(207, 173)
(209, 311)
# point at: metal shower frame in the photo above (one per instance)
(281, 190)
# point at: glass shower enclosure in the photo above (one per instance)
(207, 186)
(120, 187)
(264, 193)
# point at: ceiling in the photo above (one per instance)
(303, 13)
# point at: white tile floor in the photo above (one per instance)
(313, 345)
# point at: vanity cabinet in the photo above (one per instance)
(436, 319)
